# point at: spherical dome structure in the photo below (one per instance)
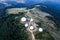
(40, 29)
(31, 19)
(23, 19)
(31, 27)
(26, 25)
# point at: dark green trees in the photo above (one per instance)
(11, 28)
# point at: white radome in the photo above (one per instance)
(26, 25)
(31, 19)
(31, 27)
(23, 19)
(40, 29)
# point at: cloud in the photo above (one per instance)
(7, 4)
(4, 2)
(20, 1)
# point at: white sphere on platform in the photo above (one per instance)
(26, 25)
(31, 27)
(40, 29)
(31, 19)
(23, 19)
